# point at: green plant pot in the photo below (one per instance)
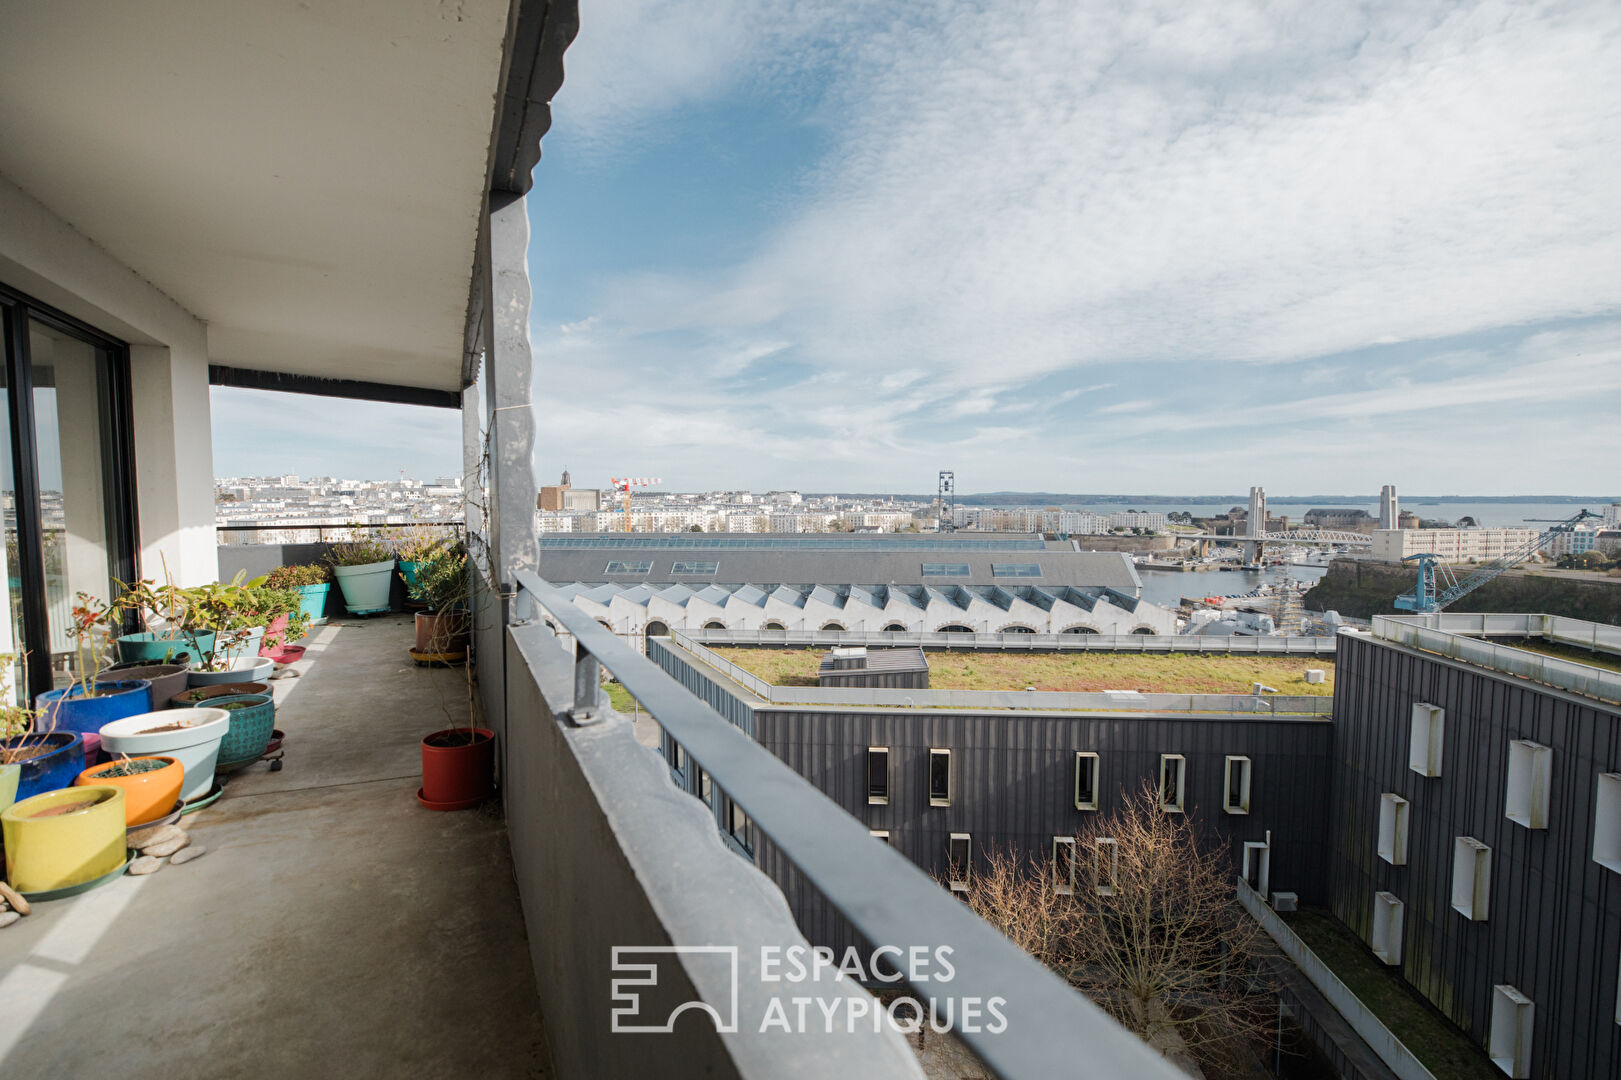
(153, 648)
(312, 601)
(253, 720)
(365, 587)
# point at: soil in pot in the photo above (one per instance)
(133, 768)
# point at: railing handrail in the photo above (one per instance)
(1456, 636)
(1281, 705)
(1050, 1026)
(1296, 645)
(1380, 1039)
(342, 525)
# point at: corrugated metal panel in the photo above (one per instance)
(1554, 922)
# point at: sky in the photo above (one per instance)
(1136, 247)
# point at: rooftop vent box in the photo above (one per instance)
(854, 656)
(1314, 675)
(1285, 901)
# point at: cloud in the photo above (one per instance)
(1234, 215)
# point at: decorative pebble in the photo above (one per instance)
(195, 851)
(8, 918)
(146, 864)
(162, 836)
(14, 898)
(168, 847)
(287, 673)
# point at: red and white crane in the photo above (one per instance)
(623, 484)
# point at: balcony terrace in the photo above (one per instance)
(331, 920)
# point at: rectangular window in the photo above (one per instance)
(1424, 750)
(878, 776)
(1393, 829)
(738, 825)
(678, 757)
(1105, 865)
(879, 834)
(1064, 865)
(694, 568)
(1172, 771)
(1238, 786)
(1530, 769)
(960, 853)
(1471, 878)
(939, 777)
(1607, 822)
(945, 569)
(1387, 920)
(1018, 569)
(620, 566)
(1086, 780)
(706, 789)
(1509, 1043)
(1258, 865)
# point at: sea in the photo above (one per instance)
(1491, 515)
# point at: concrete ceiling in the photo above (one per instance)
(307, 178)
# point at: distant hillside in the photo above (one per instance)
(1053, 498)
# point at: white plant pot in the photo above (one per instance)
(245, 647)
(195, 743)
(247, 669)
(365, 587)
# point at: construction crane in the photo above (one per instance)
(623, 484)
(1436, 588)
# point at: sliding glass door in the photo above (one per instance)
(68, 476)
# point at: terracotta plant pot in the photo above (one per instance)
(201, 695)
(147, 796)
(442, 634)
(458, 768)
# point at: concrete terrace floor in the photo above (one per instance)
(334, 928)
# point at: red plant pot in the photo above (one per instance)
(457, 771)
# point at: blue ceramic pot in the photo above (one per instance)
(312, 600)
(164, 648)
(72, 711)
(51, 770)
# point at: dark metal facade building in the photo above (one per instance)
(1012, 778)
(1552, 926)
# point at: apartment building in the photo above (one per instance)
(1452, 545)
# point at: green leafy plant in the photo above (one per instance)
(360, 552)
(22, 730)
(418, 543)
(293, 577)
(92, 632)
(441, 580)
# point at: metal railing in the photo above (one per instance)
(1291, 705)
(345, 530)
(1137, 643)
(1461, 637)
(1051, 1029)
(1380, 1039)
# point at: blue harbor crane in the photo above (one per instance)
(1437, 588)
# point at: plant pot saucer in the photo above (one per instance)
(370, 611)
(459, 804)
(206, 800)
(134, 833)
(439, 657)
(48, 895)
(276, 736)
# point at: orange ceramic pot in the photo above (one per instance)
(147, 796)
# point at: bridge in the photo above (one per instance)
(1293, 536)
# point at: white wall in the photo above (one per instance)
(44, 256)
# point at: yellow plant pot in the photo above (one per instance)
(47, 848)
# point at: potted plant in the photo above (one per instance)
(167, 679)
(167, 634)
(441, 587)
(89, 702)
(365, 573)
(201, 695)
(413, 548)
(33, 757)
(151, 785)
(191, 735)
(313, 582)
(64, 838)
(253, 721)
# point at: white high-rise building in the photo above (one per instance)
(1389, 514)
(1256, 525)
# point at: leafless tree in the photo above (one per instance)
(1147, 924)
